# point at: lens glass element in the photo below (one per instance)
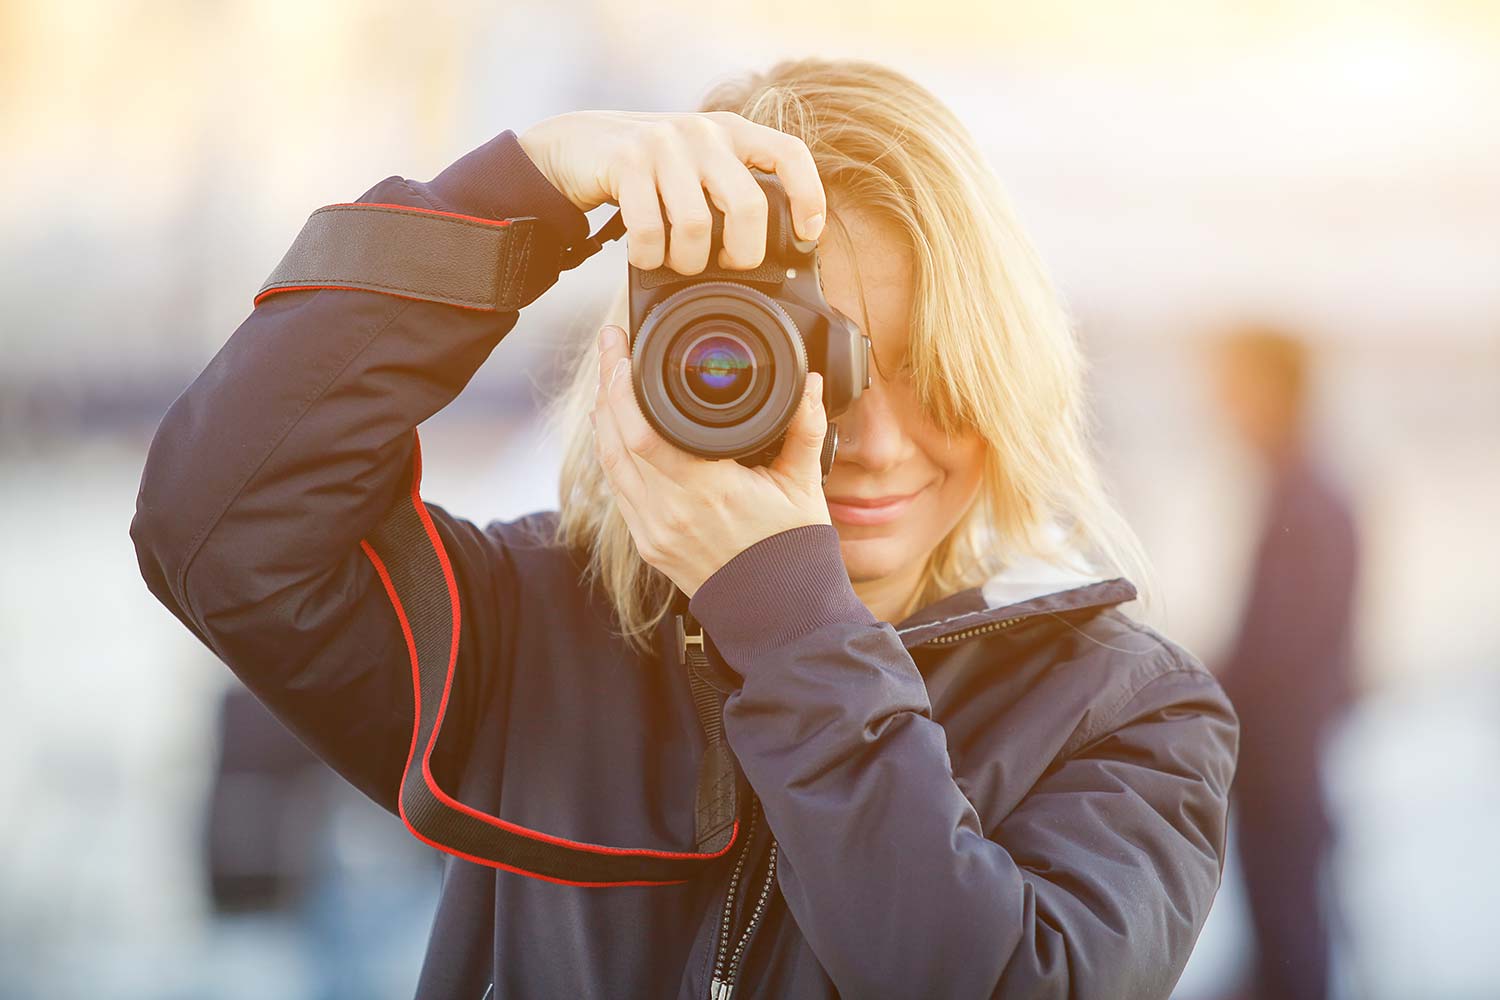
(718, 368)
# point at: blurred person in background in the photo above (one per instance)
(298, 864)
(1288, 668)
(969, 773)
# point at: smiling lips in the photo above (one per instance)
(874, 510)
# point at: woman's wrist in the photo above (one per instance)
(536, 141)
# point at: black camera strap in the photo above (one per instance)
(494, 265)
(409, 558)
(612, 230)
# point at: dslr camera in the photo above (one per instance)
(720, 358)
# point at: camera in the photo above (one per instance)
(720, 358)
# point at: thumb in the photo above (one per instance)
(801, 456)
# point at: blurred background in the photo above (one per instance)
(1328, 169)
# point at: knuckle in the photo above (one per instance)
(747, 203)
(702, 126)
(693, 224)
(661, 136)
(633, 158)
(648, 234)
(796, 146)
(800, 151)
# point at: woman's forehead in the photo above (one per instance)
(867, 272)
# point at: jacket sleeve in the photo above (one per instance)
(290, 446)
(1096, 885)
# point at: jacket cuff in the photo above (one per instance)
(499, 181)
(775, 591)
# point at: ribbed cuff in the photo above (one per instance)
(778, 589)
(499, 181)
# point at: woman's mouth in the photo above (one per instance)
(869, 510)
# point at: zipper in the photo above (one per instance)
(761, 904)
(727, 964)
(976, 630)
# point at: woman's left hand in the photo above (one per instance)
(690, 515)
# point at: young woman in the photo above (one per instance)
(968, 772)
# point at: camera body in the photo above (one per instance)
(720, 358)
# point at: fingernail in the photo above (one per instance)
(812, 226)
(608, 337)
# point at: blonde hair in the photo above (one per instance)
(991, 346)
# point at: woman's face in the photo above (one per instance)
(888, 447)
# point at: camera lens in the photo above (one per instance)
(718, 368)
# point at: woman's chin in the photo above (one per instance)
(870, 558)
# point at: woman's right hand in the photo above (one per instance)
(627, 158)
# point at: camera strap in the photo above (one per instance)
(414, 568)
(493, 265)
(611, 230)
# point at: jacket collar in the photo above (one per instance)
(1025, 588)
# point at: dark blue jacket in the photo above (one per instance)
(1017, 791)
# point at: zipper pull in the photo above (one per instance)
(720, 990)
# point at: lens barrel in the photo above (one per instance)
(719, 368)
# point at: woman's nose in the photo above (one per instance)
(870, 433)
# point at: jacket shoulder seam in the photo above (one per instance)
(1109, 723)
(1175, 665)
